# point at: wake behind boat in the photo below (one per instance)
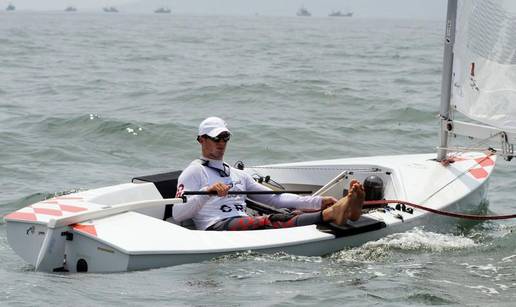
(129, 226)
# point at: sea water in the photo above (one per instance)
(90, 100)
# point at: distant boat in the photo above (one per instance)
(71, 9)
(10, 7)
(162, 10)
(339, 14)
(303, 12)
(110, 9)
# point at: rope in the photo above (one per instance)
(506, 151)
(376, 203)
(479, 142)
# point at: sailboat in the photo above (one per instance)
(303, 12)
(162, 10)
(340, 14)
(129, 226)
(110, 9)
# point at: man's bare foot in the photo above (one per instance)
(356, 201)
(348, 207)
(340, 211)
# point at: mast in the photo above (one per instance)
(449, 40)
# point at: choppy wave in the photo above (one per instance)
(92, 126)
(84, 125)
(429, 299)
(268, 257)
(410, 114)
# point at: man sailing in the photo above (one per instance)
(223, 212)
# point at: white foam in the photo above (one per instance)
(94, 116)
(503, 287)
(487, 267)
(509, 258)
(412, 273)
(417, 239)
(133, 130)
(259, 257)
(414, 240)
(484, 289)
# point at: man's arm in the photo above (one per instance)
(190, 180)
(285, 200)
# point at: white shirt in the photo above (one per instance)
(205, 210)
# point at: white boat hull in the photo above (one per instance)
(99, 231)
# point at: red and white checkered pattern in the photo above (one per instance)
(62, 206)
(479, 166)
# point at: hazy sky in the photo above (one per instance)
(430, 9)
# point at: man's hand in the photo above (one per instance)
(219, 187)
(327, 201)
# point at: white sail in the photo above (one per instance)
(484, 62)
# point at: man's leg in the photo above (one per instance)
(269, 221)
(348, 207)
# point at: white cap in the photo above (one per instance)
(213, 126)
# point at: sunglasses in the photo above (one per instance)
(221, 137)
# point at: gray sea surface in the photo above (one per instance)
(90, 100)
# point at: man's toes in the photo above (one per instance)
(361, 193)
(355, 189)
(352, 183)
